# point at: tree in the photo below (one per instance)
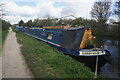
(36, 22)
(2, 10)
(101, 11)
(5, 25)
(117, 10)
(46, 22)
(29, 23)
(21, 23)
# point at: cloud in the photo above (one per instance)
(40, 10)
(79, 9)
(47, 0)
(45, 8)
(14, 10)
(16, 19)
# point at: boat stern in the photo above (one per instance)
(92, 52)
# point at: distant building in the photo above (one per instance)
(111, 24)
(116, 23)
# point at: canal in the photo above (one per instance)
(113, 45)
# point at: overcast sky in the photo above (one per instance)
(30, 9)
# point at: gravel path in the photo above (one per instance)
(13, 63)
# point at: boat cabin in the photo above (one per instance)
(76, 38)
(64, 36)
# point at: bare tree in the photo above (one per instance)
(117, 10)
(2, 11)
(101, 11)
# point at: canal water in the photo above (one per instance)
(113, 45)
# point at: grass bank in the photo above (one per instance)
(4, 35)
(46, 62)
(0, 40)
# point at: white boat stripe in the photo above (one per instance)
(43, 40)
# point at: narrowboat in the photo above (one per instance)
(74, 41)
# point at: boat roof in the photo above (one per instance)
(74, 28)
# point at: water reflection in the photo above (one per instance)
(111, 44)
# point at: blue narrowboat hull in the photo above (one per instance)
(84, 55)
(89, 60)
(75, 52)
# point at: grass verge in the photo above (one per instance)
(4, 35)
(0, 40)
(46, 62)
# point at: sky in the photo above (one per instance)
(31, 9)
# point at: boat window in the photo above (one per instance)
(50, 36)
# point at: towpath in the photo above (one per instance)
(13, 62)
